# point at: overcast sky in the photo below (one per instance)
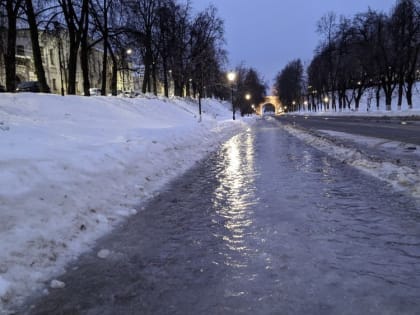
(267, 34)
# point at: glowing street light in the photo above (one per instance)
(231, 76)
(248, 96)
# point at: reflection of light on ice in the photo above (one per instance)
(236, 192)
(234, 159)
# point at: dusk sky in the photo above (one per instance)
(267, 34)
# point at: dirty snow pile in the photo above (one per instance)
(72, 168)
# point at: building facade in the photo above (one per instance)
(54, 51)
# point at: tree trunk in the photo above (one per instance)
(409, 94)
(36, 50)
(72, 68)
(178, 88)
(388, 100)
(104, 64)
(84, 56)
(388, 89)
(10, 56)
(334, 102)
(400, 93)
(378, 96)
(146, 78)
(357, 102)
(84, 62)
(165, 78)
(114, 78)
(154, 78)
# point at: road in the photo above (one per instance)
(406, 129)
(265, 225)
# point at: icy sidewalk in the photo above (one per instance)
(393, 162)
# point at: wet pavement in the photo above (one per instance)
(265, 225)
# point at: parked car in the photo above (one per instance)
(95, 91)
(130, 94)
(2, 88)
(29, 86)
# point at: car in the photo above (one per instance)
(2, 88)
(95, 91)
(130, 94)
(29, 86)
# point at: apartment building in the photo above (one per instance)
(54, 51)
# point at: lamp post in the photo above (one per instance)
(231, 77)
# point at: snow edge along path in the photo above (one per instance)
(402, 178)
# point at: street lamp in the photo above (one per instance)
(248, 98)
(326, 100)
(231, 76)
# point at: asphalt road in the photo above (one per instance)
(403, 129)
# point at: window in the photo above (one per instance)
(52, 57)
(42, 54)
(54, 84)
(20, 50)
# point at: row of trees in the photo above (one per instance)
(249, 89)
(371, 50)
(164, 36)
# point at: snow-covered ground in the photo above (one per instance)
(72, 168)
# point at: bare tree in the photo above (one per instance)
(74, 12)
(13, 9)
(207, 36)
(289, 84)
(107, 23)
(36, 50)
(143, 20)
(405, 32)
(328, 27)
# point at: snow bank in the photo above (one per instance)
(72, 168)
(403, 178)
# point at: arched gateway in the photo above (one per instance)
(274, 101)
